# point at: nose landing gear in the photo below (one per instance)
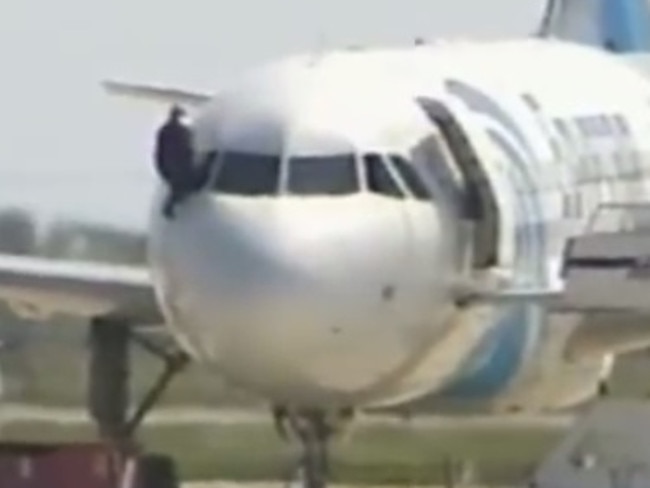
(314, 430)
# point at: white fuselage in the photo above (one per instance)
(346, 299)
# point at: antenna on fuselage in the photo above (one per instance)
(320, 49)
(550, 12)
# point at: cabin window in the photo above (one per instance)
(585, 127)
(621, 125)
(379, 179)
(530, 101)
(572, 205)
(636, 163)
(604, 128)
(609, 125)
(566, 205)
(251, 174)
(594, 126)
(597, 126)
(555, 148)
(323, 175)
(410, 177)
(578, 203)
(620, 164)
(562, 128)
(595, 168)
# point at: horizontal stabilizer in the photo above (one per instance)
(158, 94)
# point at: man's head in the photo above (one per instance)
(176, 113)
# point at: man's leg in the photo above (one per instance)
(169, 204)
(175, 196)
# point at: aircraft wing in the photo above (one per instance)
(469, 293)
(548, 297)
(160, 94)
(606, 285)
(39, 288)
(607, 268)
(597, 328)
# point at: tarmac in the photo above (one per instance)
(231, 484)
(16, 412)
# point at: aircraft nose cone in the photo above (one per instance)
(288, 295)
(270, 269)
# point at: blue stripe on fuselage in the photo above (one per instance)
(496, 359)
(625, 25)
(499, 355)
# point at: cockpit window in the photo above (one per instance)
(207, 166)
(248, 174)
(379, 178)
(411, 179)
(323, 175)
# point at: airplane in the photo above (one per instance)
(356, 198)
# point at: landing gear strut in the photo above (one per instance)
(109, 374)
(314, 429)
(314, 434)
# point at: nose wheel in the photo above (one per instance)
(314, 434)
(314, 430)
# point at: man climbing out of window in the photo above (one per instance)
(174, 158)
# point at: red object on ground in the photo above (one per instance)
(90, 465)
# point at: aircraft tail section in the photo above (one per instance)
(617, 25)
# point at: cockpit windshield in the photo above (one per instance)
(378, 179)
(323, 175)
(410, 177)
(250, 174)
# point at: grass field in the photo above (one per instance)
(51, 371)
(55, 373)
(372, 454)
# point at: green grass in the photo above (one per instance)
(52, 371)
(372, 454)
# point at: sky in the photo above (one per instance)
(67, 150)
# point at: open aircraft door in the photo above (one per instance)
(478, 202)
